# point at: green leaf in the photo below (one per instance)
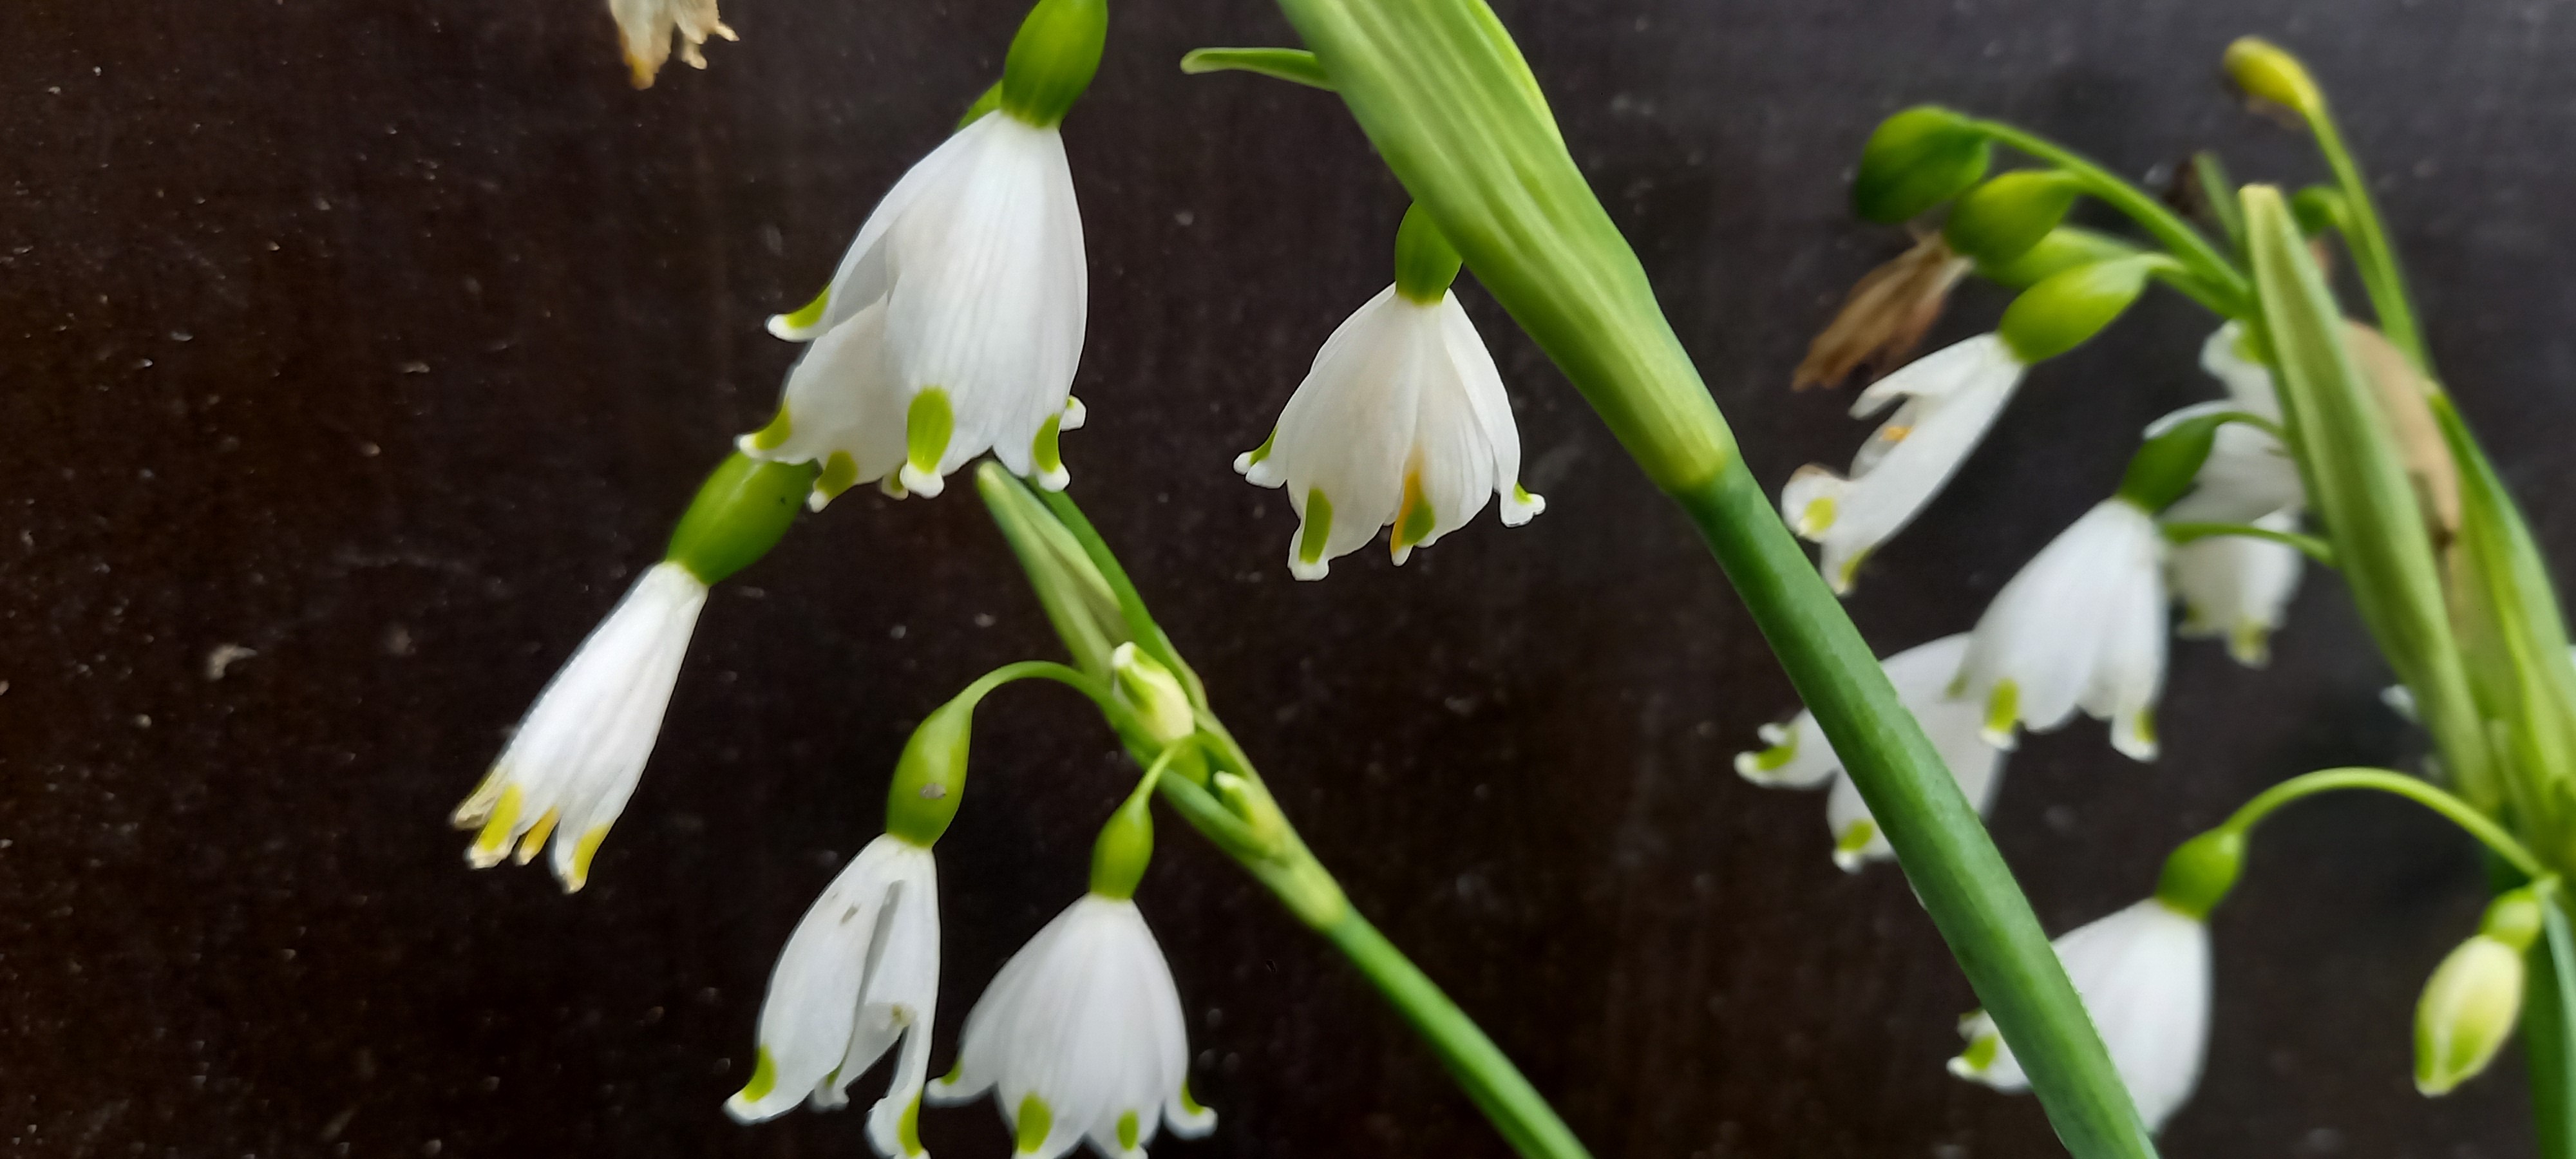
(2359, 487)
(1289, 64)
(2547, 1043)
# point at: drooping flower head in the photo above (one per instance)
(1800, 757)
(955, 321)
(568, 771)
(645, 28)
(2238, 588)
(859, 977)
(2082, 625)
(2143, 974)
(1950, 398)
(1402, 422)
(1081, 1035)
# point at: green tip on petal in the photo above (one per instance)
(1318, 529)
(1034, 1122)
(2003, 711)
(1979, 1057)
(1816, 517)
(771, 437)
(1189, 1102)
(1127, 1131)
(800, 325)
(928, 424)
(907, 1130)
(1855, 839)
(1046, 456)
(1414, 519)
(840, 472)
(764, 1078)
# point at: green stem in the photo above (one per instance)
(2308, 545)
(1131, 603)
(2372, 257)
(2152, 215)
(1956, 870)
(1473, 1060)
(2416, 789)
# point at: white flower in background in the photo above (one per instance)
(952, 327)
(860, 973)
(1081, 1036)
(1950, 399)
(1402, 422)
(2248, 474)
(645, 28)
(1801, 758)
(569, 769)
(2238, 587)
(2081, 625)
(2143, 974)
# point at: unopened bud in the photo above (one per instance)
(2002, 219)
(2474, 998)
(2165, 466)
(1142, 683)
(2060, 250)
(2068, 308)
(1915, 160)
(930, 776)
(2266, 73)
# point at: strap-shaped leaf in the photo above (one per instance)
(2546, 1040)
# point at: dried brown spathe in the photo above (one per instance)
(1886, 315)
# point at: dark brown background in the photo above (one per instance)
(386, 339)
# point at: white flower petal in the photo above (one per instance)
(568, 771)
(2082, 624)
(860, 973)
(1951, 399)
(2238, 588)
(2143, 974)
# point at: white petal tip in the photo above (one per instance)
(1961, 1068)
(1521, 508)
(1055, 480)
(927, 484)
(1075, 414)
(1309, 571)
(1243, 463)
(1850, 862)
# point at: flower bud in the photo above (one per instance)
(2474, 998)
(2166, 465)
(1142, 683)
(1917, 159)
(2319, 208)
(1425, 262)
(2268, 74)
(2199, 872)
(2061, 249)
(1053, 58)
(739, 514)
(2002, 219)
(930, 776)
(2068, 308)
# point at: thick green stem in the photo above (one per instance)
(1956, 870)
(2456, 811)
(1473, 1060)
(2166, 226)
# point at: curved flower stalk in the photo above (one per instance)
(568, 771)
(955, 321)
(645, 29)
(1402, 423)
(2082, 625)
(1799, 756)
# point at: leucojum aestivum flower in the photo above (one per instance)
(952, 328)
(2333, 445)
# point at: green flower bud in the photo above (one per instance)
(2268, 74)
(740, 513)
(1053, 58)
(1142, 683)
(1917, 159)
(2068, 308)
(2002, 219)
(2059, 250)
(2200, 871)
(1425, 262)
(930, 776)
(2474, 997)
(1125, 846)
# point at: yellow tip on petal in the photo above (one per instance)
(581, 855)
(535, 839)
(493, 843)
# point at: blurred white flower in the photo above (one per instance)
(2143, 974)
(2081, 625)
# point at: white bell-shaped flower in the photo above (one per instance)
(1081, 1037)
(574, 761)
(1402, 422)
(952, 327)
(2081, 625)
(2248, 474)
(1801, 758)
(1950, 399)
(2238, 587)
(859, 975)
(2143, 974)
(645, 28)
